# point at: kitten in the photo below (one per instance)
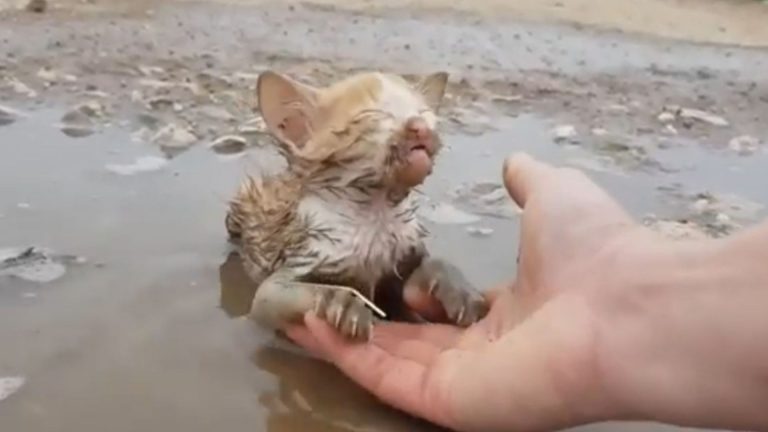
(342, 215)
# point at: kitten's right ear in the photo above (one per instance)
(288, 108)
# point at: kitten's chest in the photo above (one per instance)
(361, 242)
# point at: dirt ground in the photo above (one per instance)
(125, 126)
(738, 22)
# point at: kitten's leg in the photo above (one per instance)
(444, 282)
(281, 300)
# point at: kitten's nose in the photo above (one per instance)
(417, 132)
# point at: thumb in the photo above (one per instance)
(523, 175)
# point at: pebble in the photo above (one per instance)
(32, 265)
(744, 145)
(10, 385)
(447, 214)
(479, 231)
(666, 117)
(141, 164)
(175, 136)
(7, 115)
(703, 116)
(229, 144)
(564, 133)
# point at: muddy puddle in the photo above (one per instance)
(142, 332)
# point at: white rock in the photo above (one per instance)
(229, 144)
(703, 116)
(564, 132)
(666, 117)
(447, 214)
(8, 115)
(701, 205)
(150, 70)
(10, 385)
(744, 144)
(173, 135)
(141, 164)
(52, 76)
(21, 88)
(479, 231)
(723, 218)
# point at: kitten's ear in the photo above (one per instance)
(287, 106)
(432, 88)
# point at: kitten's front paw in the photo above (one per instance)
(463, 303)
(346, 312)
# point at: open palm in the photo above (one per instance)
(531, 364)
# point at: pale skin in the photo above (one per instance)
(605, 320)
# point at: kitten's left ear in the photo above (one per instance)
(432, 88)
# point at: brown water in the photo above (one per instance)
(145, 335)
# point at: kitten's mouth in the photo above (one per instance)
(417, 166)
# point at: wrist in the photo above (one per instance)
(674, 345)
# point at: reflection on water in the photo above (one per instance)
(148, 335)
(237, 290)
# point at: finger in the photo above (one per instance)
(419, 300)
(397, 381)
(522, 174)
(300, 335)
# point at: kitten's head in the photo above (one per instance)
(371, 129)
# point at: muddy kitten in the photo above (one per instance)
(342, 215)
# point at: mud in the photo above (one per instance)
(126, 127)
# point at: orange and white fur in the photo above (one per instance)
(342, 215)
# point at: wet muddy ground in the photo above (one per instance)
(122, 135)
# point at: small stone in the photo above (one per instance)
(723, 218)
(703, 116)
(160, 103)
(10, 385)
(150, 70)
(77, 131)
(140, 165)
(599, 132)
(479, 231)
(618, 108)
(444, 213)
(23, 205)
(8, 115)
(670, 130)
(21, 88)
(229, 144)
(52, 76)
(564, 133)
(666, 117)
(174, 136)
(744, 144)
(701, 205)
(254, 126)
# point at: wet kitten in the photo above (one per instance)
(342, 215)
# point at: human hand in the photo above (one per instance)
(532, 363)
